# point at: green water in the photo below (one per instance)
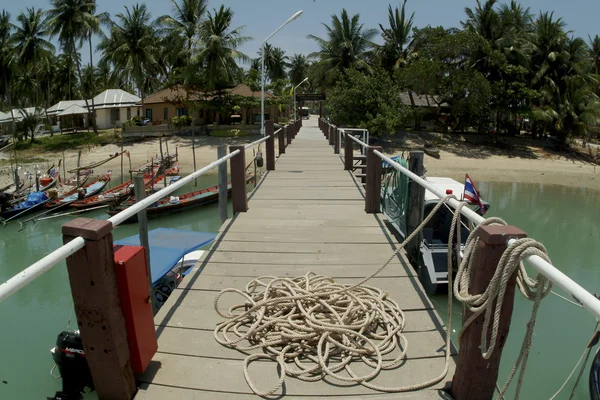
(566, 221)
(34, 316)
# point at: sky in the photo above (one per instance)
(262, 17)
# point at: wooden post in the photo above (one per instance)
(194, 149)
(130, 167)
(98, 310)
(167, 146)
(336, 141)
(270, 144)
(139, 191)
(416, 203)
(64, 167)
(121, 160)
(373, 190)
(281, 140)
(331, 134)
(288, 133)
(474, 377)
(78, 162)
(222, 152)
(239, 197)
(176, 154)
(162, 162)
(348, 152)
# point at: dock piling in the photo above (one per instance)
(474, 377)
(93, 281)
(373, 189)
(139, 190)
(222, 152)
(270, 144)
(416, 201)
(239, 196)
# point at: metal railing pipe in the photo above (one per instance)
(361, 143)
(585, 298)
(255, 143)
(31, 273)
(137, 207)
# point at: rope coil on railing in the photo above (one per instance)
(313, 327)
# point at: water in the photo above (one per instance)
(564, 219)
(566, 222)
(34, 316)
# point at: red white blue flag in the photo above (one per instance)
(472, 195)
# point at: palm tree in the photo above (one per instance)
(398, 43)
(187, 17)
(132, 46)
(348, 45)
(220, 51)
(6, 56)
(73, 22)
(31, 46)
(298, 68)
(275, 62)
(483, 20)
(64, 76)
(595, 54)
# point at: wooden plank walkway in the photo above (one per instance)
(308, 215)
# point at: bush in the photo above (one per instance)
(184, 120)
(135, 121)
(228, 133)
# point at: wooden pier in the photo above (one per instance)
(306, 215)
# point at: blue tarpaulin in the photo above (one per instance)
(168, 246)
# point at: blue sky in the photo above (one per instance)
(261, 17)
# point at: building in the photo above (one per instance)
(114, 107)
(162, 106)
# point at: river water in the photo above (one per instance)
(564, 219)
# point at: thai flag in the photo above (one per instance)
(472, 195)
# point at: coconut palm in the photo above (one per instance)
(298, 68)
(595, 54)
(398, 42)
(132, 46)
(74, 22)
(30, 42)
(6, 56)
(220, 51)
(484, 20)
(275, 62)
(348, 45)
(185, 22)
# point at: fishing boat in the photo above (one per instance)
(177, 203)
(34, 201)
(91, 189)
(112, 196)
(431, 150)
(431, 260)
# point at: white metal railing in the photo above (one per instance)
(259, 141)
(31, 273)
(360, 143)
(582, 296)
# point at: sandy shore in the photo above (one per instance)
(141, 152)
(533, 165)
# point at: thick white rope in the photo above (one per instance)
(313, 327)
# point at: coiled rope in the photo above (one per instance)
(313, 327)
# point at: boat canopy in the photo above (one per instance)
(168, 246)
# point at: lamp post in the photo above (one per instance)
(262, 57)
(295, 107)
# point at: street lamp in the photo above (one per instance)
(262, 86)
(295, 107)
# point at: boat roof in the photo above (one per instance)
(444, 184)
(167, 246)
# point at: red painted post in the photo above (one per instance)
(239, 196)
(348, 152)
(373, 190)
(336, 141)
(474, 377)
(98, 310)
(281, 140)
(270, 144)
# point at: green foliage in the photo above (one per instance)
(69, 142)
(361, 100)
(181, 121)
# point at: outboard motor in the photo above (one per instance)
(69, 357)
